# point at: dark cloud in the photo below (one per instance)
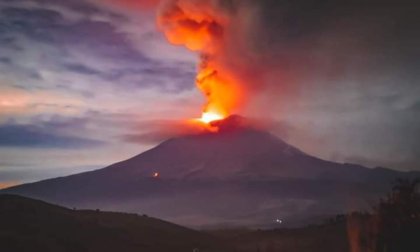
(42, 136)
(336, 40)
(80, 68)
(5, 60)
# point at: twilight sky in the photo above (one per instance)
(85, 83)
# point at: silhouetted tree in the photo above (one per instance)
(399, 218)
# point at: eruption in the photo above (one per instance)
(203, 27)
(208, 117)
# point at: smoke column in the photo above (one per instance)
(206, 27)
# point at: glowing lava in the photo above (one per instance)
(208, 117)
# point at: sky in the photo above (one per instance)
(86, 83)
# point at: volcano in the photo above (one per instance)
(237, 176)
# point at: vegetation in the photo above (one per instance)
(398, 218)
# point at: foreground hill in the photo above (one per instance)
(238, 176)
(32, 225)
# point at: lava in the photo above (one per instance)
(206, 121)
(208, 117)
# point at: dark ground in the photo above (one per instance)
(32, 225)
(322, 238)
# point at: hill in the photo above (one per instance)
(33, 225)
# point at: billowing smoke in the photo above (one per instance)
(212, 29)
(219, 31)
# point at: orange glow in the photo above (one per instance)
(156, 174)
(202, 29)
(6, 184)
(223, 94)
(208, 117)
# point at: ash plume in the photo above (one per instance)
(256, 54)
(213, 29)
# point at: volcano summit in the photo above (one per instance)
(239, 175)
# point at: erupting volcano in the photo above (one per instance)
(204, 28)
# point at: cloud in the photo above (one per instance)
(31, 136)
(5, 60)
(90, 49)
(132, 4)
(17, 102)
(81, 69)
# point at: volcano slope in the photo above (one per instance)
(239, 176)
